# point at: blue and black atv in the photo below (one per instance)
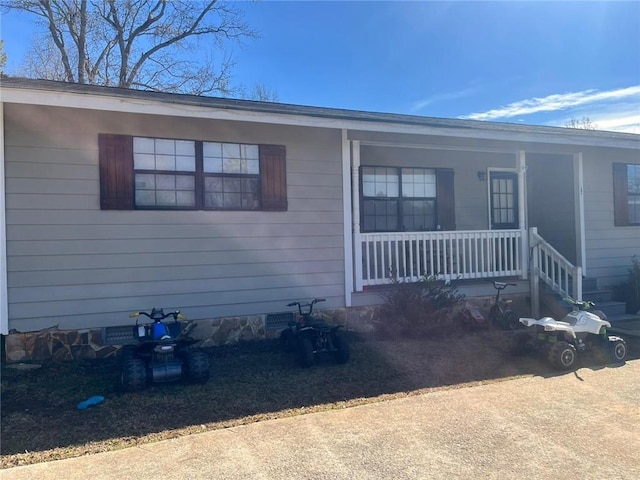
(164, 352)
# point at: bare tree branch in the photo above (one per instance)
(584, 123)
(151, 44)
(3, 57)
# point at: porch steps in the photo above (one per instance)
(626, 325)
(601, 297)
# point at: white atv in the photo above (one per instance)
(579, 331)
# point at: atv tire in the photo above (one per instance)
(342, 351)
(519, 343)
(511, 321)
(286, 341)
(617, 349)
(562, 355)
(600, 314)
(305, 352)
(495, 319)
(134, 374)
(127, 352)
(198, 367)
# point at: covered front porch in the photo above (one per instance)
(463, 212)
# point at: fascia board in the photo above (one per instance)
(155, 107)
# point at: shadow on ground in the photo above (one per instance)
(249, 382)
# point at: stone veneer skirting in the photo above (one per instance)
(59, 345)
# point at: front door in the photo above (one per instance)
(503, 194)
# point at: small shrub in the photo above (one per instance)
(417, 309)
(629, 291)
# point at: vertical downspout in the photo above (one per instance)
(578, 191)
(522, 212)
(4, 305)
(346, 208)
(355, 188)
(581, 251)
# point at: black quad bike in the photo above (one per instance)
(308, 336)
(163, 353)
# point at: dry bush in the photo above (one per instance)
(418, 309)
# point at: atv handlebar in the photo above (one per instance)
(581, 304)
(310, 305)
(158, 315)
(313, 302)
(502, 285)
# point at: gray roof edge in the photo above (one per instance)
(303, 110)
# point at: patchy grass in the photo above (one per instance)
(250, 382)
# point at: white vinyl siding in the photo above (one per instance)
(609, 249)
(72, 265)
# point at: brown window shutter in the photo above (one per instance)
(445, 200)
(116, 172)
(620, 200)
(273, 177)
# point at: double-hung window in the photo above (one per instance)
(406, 199)
(164, 174)
(626, 194)
(418, 199)
(231, 174)
(381, 193)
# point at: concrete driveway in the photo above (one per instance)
(584, 424)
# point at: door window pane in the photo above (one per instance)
(504, 205)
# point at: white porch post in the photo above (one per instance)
(535, 279)
(4, 305)
(346, 208)
(355, 188)
(578, 189)
(521, 168)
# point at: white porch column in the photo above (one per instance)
(355, 188)
(578, 192)
(4, 305)
(346, 208)
(521, 167)
(534, 284)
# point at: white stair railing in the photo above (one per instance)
(553, 269)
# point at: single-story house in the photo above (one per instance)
(115, 200)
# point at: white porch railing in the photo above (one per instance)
(553, 269)
(446, 255)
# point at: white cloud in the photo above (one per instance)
(559, 102)
(420, 104)
(629, 124)
(617, 117)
